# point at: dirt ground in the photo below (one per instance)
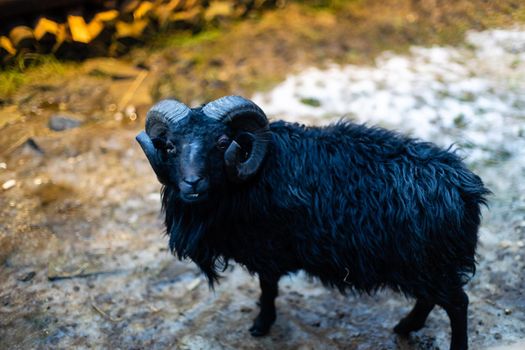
(83, 258)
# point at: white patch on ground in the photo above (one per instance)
(472, 96)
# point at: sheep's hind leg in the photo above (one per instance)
(456, 309)
(265, 319)
(415, 320)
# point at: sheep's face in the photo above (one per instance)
(193, 154)
(198, 151)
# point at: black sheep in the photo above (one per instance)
(359, 207)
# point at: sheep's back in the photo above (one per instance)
(376, 208)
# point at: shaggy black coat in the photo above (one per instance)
(358, 207)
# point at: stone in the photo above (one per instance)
(62, 122)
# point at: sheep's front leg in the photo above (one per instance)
(265, 319)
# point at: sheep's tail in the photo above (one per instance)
(474, 195)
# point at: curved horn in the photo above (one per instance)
(243, 115)
(153, 156)
(166, 112)
(158, 120)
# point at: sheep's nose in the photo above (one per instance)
(192, 184)
(192, 180)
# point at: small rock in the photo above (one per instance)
(193, 284)
(497, 336)
(27, 276)
(61, 123)
(508, 312)
(3, 165)
(9, 184)
(505, 244)
(34, 146)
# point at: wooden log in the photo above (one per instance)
(78, 29)
(93, 38)
(218, 10)
(94, 29)
(45, 27)
(179, 14)
(67, 48)
(7, 46)
(143, 10)
(118, 29)
(127, 8)
(46, 32)
(163, 12)
(102, 40)
(133, 30)
(23, 39)
(63, 41)
(189, 4)
(101, 36)
(106, 16)
(7, 50)
(128, 34)
(191, 18)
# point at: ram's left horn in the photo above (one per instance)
(153, 156)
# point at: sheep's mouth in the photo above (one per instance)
(193, 197)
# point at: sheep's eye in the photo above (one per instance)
(170, 148)
(223, 142)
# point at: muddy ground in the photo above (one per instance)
(84, 262)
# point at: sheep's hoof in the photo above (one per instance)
(406, 325)
(259, 332)
(261, 326)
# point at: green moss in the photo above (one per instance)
(32, 68)
(184, 39)
(310, 101)
(10, 81)
(331, 5)
(460, 122)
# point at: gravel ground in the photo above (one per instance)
(85, 265)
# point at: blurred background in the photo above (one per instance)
(83, 258)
